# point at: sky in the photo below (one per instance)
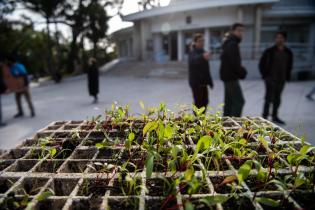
(129, 6)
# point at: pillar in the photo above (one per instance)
(207, 39)
(180, 47)
(257, 31)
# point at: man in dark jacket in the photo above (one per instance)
(275, 67)
(231, 71)
(199, 72)
(93, 79)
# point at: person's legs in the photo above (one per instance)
(227, 99)
(19, 105)
(279, 86)
(238, 99)
(268, 98)
(28, 98)
(200, 94)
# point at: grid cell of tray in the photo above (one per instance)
(63, 186)
(31, 186)
(14, 154)
(84, 153)
(123, 203)
(22, 166)
(95, 187)
(36, 154)
(161, 203)
(108, 153)
(49, 166)
(87, 203)
(51, 204)
(5, 164)
(6, 183)
(124, 189)
(74, 167)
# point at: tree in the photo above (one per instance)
(49, 10)
(96, 23)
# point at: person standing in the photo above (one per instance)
(19, 71)
(199, 72)
(231, 71)
(3, 89)
(275, 67)
(93, 79)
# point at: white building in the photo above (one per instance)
(164, 33)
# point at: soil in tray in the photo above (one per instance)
(36, 154)
(22, 166)
(63, 187)
(84, 204)
(305, 199)
(50, 204)
(256, 185)
(49, 166)
(74, 167)
(5, 163)
(31, 186)
(134, 165)
(119, 188)
(108, 153)
(93, 187)
(225, 188)
(133, 154)
(159, 187)
(84, 153)
(6, 184)
(130, 203)
(284, 204)
(15, 154)
(239, 203)
(156, 204)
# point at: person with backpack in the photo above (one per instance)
(19, 71)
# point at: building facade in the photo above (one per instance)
(165, 33)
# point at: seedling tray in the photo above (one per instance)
(76, 176)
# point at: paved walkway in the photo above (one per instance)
(69, 100)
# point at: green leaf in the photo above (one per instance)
(244, 171)
(131, 136)
(306, 149)
(204, 143)
(169, 132)
(149, 127)
(53, 152)
(99, 145)
(45, 195)
(142, 105)
(213, 200)
(189, 205)
(268, 201)
(149, 166)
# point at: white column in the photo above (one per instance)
(257, 31)
(180, 47)
(207, 39)
(158, 43)
(240, 16)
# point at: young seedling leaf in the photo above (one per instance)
(213, 200)
(149, 166)
(268, 201)
(244, 171)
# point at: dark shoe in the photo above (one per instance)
(309, 97)
(33, 114)
(278, 120)
(18, 115)
(2, 124)
(265, 116)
